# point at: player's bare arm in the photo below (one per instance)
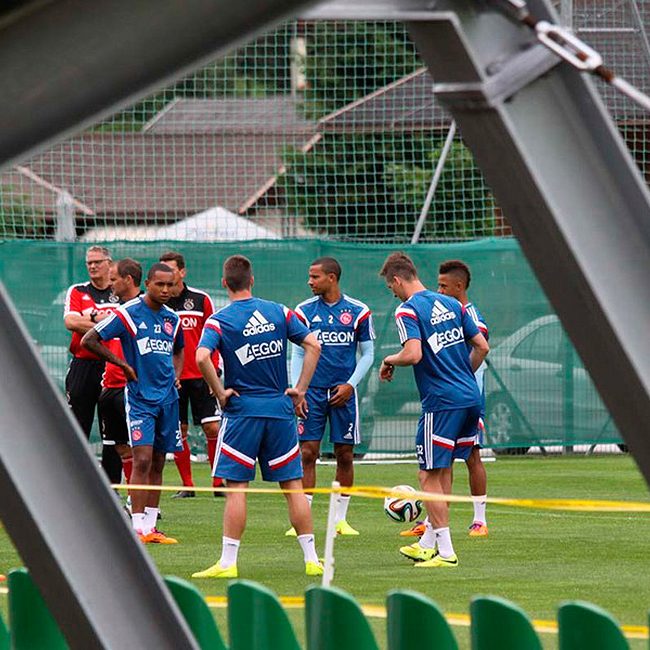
(409, 355)
(178, 359)
(92, 342)
(480, 349)
(311, 346)
(204, 362)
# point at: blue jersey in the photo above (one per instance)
(339, 328)
(444, 375)
(149, 339)
(479, 321)
(251, 336)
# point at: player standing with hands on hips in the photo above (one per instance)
(258, 407)
(433, 330)
(343, 326)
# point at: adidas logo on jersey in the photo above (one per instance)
(142, 326)
(317, 319)
(257, 324)
(439, 313)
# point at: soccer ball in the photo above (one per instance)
(401, 509)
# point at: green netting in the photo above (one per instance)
(315, 129)
(538, 391)
(318, 132)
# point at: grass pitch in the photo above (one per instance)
(536, 558)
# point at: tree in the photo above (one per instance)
(347, 61)
(18, 219)
(372, 186)
(462, 206)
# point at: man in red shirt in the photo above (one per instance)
(194, 307)
(86, 304)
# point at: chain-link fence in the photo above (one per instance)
(317, 133)
(317, 129)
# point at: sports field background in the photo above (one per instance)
(537, 390)
(313, 137)
(535, 558)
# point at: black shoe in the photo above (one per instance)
(218, 493)
(184, 494)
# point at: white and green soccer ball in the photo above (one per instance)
(402, 509)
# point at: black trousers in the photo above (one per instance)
(82, 389)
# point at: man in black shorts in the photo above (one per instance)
(194, 307)
(86, 304)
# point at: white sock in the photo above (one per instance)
(151, 518)
(229, 551)
(443, 539)
(137, 521)
(310, 498)
(342, 503)
(308, 547)
(479, 509)
(428, 540)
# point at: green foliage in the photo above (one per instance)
(347, 61)
(18, 219)
(259, 69)
(339, 189)
(372, 187)
(462, 205)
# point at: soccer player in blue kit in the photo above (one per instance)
(454, 278)
(433, 329)
(258, 407)
(152, 343)
(342, 325)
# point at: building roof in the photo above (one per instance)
(407, 104)
(144, 177)
(279, 114)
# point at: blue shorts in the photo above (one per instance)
(344, 420)
(445, 435)
(271, 441)
(156, 425)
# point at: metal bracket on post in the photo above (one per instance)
(504, 81)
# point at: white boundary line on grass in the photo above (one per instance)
(396, 461)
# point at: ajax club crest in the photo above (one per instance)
(345, 318)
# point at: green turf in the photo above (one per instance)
(535, 558)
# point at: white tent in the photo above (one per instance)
(214, 224)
